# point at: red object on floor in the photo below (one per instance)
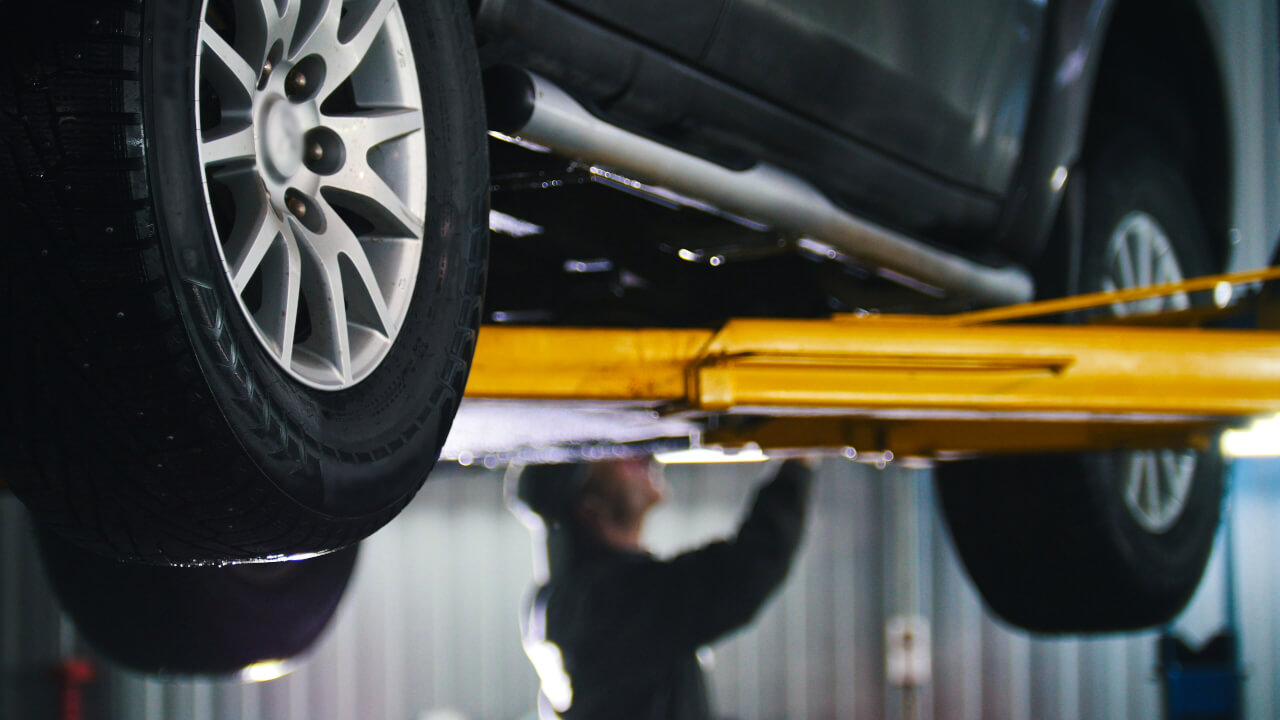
(73, 674)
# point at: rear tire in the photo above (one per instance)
(1099, 542)
(196, 621)
(147, 411)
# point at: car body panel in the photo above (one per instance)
(1243, 35)
(966, 141)
(681, 27)
(941, 85)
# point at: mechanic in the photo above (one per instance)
(614, 631)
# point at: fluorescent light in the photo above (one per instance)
(710, 455)
(266, 671)
(1262, 439)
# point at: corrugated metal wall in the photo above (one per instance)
(428, 629)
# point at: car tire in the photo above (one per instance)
(1093, 542)
(196, 621)
(241, 298)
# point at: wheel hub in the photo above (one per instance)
(282, 139)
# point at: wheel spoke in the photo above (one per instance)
(1145, 252)
(236, 146)
(264, 234)
(321, 37)
(322, 285)
(339, 236)
(1180, 467)
(1127, 277)
(364, 270)
(1152, 475)
(231, 63)
(1133, 488)
(282, 26)
(357, 40)
(1169, 272)
(360, 188)
(337, 312)
(290, 304)
(364, 132)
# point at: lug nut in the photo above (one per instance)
(315, 152)
(297, 82)
(297, 207)
(267, 67)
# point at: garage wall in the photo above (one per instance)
(429, 630)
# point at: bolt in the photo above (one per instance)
(297, 82)
(316, 152)
(297, 207)
(267, 67)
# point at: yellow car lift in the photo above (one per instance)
(921, 386)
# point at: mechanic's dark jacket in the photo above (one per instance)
(628, 625)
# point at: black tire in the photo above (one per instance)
(1050, 541)
(204, 621)
(142, 418)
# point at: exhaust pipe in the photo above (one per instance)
(531, 108)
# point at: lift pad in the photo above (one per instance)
(917, 386)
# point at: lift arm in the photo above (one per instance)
(911, 384)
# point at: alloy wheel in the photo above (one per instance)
(312, 143)
(1157, 483)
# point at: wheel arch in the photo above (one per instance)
(1164, 48)
(1083, 73)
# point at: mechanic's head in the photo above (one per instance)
(604, 501)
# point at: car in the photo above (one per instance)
(247, 240)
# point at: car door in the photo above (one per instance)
(681, 27)
(943, 85)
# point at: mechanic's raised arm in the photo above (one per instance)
(703, 594)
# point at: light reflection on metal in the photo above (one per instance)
(819, 249)
(1223, 292)
(526, 144)
(1059, 178)
(266, 671)
(520, 316)
(1261, 439)
(672, 198)
(513, 226)
(910, 282)
(748, 454)
(880, 460)
(596, 265)
(822, 250)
